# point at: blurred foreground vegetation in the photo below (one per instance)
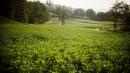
(76, 47)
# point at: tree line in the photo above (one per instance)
(37, 12)
(24, 11)
(119, 13)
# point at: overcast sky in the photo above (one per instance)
(97, 5)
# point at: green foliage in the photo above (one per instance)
(101, 16)
(37, 12)
(127, 22)
(79, 13)
(24, 11)
(18, 10)
(90, 13)
(69, 49)
(120, 12)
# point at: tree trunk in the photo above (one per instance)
(63, 22)
(115, 25)
(115, 22)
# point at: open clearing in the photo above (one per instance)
(77, 47)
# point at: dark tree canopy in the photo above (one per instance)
(37, 12)
(5, 6)
(90, 13)
(101, 16)
(120, 12)
(24, 11)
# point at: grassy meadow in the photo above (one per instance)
(79, 46)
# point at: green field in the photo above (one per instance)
(77, 47)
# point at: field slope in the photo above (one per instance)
(72, 48)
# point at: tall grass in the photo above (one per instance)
(63, 49)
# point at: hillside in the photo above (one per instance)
(72, 48)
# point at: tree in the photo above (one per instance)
(37, 12)
(125, 16)
(127, 21)
(49, 6)
(108, 17)
(62, 13)
(18, 10)
(90, 13)
(5, 8)
(100, 16)
(14, 9)
(24, 11)
(116, 12)
(79, 13)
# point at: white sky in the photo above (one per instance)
(97, 5)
